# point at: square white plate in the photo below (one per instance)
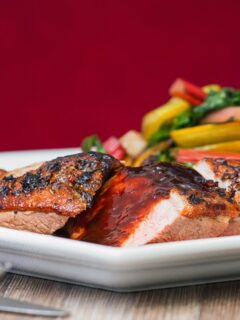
(119, 269)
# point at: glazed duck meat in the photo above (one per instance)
(157, 203)
(227, 174)
(41, 198)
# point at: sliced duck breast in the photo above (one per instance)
(227, 174)
(158, 203)
(42, 197)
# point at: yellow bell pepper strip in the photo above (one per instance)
(231, 146)
(127, 161)
(211, 88)
(154, 119)
(187, 91)
(206, 134)
(192, 155)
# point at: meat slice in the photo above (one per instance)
(42, 197)
(227, 174)
(157, 203)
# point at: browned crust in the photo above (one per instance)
(226, 170)
(65, 185)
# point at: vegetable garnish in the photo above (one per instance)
(114, 148)
(187, 91)
(134, 143)
(231, 113)
(211, 88)
(229, 146)
(206, 134)
(156, 118)
(195, 122)
(165, 156)
(153, 151)
(192, 117)
(92, 143)
(111, 146)
(215, 101)
(160, 135)
(191, 155)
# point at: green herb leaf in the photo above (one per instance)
(182, 120)
(92, 143)
(160, 135)
(165, 156)
(216, 101)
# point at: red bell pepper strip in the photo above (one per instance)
(191, 155)
(114, 148)
(187, 91)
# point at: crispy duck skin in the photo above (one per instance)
(227, 174)
(157, 203)
(54, 191)
(65, 185)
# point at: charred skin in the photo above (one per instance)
(225, 172)
(127, 199)
(228, 170)
(66, 185)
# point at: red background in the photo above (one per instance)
(72, 68)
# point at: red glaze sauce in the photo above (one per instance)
(131, 194)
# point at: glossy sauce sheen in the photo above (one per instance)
(130, 195)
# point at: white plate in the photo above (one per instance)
(119, 269)
(13, 159)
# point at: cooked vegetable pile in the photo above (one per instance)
(195, 123)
